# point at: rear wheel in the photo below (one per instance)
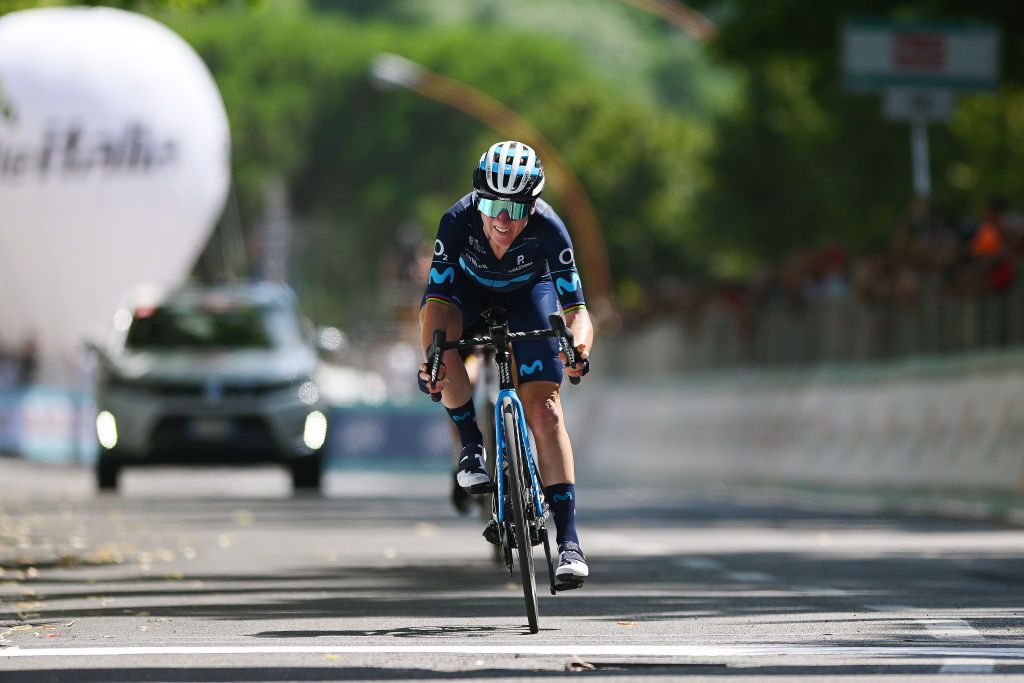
(488, 504)
(307, 473)
(108, 471)
(519, 488)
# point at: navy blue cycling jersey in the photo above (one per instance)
(542, 250)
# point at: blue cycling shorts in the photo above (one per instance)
(528, 309)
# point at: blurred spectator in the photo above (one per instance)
(931, 252)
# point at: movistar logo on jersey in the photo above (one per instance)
(536, 366)
(460, 418)
(562, 497)
(437, 278)
(564, 285)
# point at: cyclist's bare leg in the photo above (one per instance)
(543, 409)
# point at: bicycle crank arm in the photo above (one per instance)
(547, 554)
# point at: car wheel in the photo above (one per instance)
(108, 469)
(307, 473)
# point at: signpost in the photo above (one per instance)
(919, 68)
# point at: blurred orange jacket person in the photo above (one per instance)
(986, 241)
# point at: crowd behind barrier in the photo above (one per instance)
(940, 285)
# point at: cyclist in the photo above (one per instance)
(503, 245)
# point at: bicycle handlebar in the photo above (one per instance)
(558, 329)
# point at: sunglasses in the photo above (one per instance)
(493, 207)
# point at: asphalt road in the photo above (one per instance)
(223, 576)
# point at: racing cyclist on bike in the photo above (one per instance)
(503, 245)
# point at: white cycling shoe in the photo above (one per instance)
(472, 472)
(572, 565)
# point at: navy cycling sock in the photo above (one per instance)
(464, 418)
(562, 499)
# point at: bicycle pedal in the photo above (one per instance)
(478, 489)
(568, 585)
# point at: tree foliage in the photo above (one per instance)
(702, 161)
(362, 163)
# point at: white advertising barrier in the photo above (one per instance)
(114, 167)
(952, 426)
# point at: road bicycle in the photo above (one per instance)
(519, 488)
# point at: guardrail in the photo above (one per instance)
(941, 424)
(931, 424)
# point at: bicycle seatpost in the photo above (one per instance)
(434, 354)
(565, 341)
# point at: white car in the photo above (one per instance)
(211, 375)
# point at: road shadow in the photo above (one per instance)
(632, 590)
(571, 669)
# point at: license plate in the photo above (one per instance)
(211, 428)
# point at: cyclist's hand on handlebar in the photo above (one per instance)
(424, 379)
(582, 364)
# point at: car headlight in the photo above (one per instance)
(315, 432)
(106, 429)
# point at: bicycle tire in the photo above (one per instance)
(489, 505)
(517, 496)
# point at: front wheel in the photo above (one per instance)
(518, 490)
(307, 473)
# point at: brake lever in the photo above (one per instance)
(434, 353)
(566, 342)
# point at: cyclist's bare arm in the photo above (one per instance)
(452, 379)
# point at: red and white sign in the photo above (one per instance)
(880, 55)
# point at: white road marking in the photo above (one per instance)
(941, 628)
(947, 628)
(968, 666)
(953, 655)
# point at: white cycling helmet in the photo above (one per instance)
(509, 170)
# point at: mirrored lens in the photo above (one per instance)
(493, 207)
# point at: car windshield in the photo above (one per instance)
(219, 327)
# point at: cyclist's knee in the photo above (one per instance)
(543, 412)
